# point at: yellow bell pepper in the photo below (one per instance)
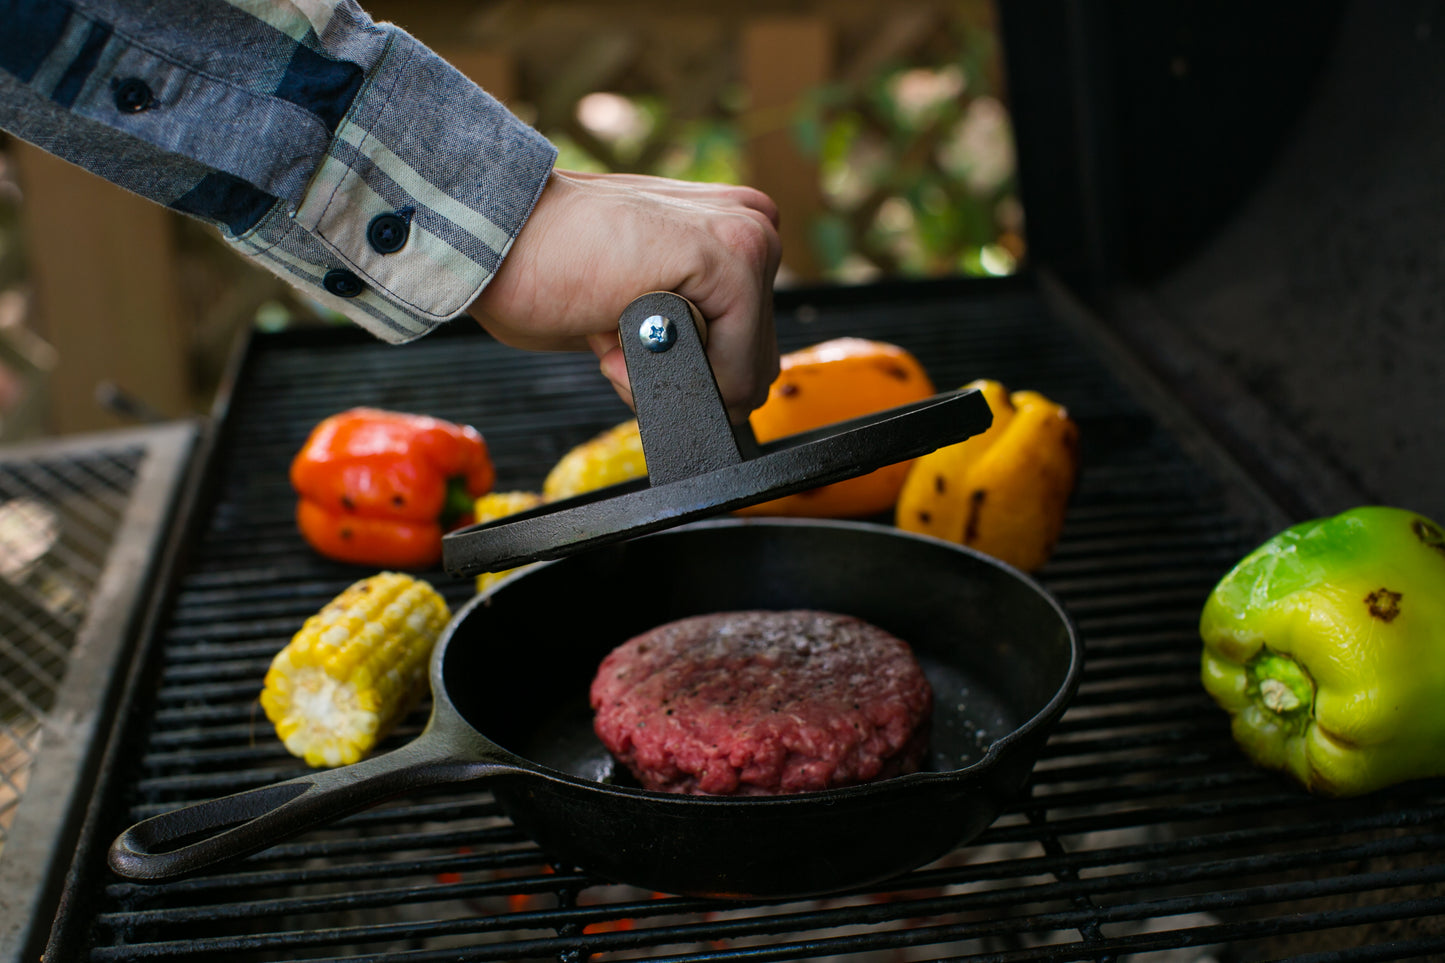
(1003, 492)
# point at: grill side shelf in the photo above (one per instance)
(138, 474)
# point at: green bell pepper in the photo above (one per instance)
(1326, 645)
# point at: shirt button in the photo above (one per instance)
(133, 95)
(387, 233)
(342, 283)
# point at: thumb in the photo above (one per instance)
(612, 363)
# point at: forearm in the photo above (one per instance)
(292, 135)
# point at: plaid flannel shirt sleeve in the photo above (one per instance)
(340, 153)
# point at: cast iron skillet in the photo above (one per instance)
(510, 676)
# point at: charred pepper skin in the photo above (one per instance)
(1004, 492)
(1326, 645)
(826, 383)
(379, 487)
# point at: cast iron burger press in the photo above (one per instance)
(698, 464)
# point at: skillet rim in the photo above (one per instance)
(1047, 715)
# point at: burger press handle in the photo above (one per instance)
(185, 841)
(698, 464)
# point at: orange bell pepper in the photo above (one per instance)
(831, 382)
(379, 487)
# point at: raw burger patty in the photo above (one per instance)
(762, 703)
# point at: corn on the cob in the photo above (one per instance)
(493, 506)
(611, 457)
(354, 668)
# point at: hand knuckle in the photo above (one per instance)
(743, 237)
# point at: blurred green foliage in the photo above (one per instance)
(915, 159)
(917, 167)
(639, 133)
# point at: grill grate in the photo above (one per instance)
(1144, 835)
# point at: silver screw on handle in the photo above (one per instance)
(657, 333)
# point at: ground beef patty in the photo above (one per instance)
(761, 703)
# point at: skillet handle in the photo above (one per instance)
(187, 840)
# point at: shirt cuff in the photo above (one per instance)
(424, 187)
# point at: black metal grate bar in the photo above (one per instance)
(1144, 831)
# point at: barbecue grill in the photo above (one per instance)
(1143, 834)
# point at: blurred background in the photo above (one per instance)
(1243, 191)
(883, 135)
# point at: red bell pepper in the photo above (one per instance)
(380, 487)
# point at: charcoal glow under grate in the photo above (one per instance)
(1145, 831)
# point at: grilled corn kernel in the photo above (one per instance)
(612, 457)
(493, 506)
(354, 669)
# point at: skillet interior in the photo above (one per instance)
(995, 648)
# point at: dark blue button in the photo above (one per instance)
(342, 283)
(133, 95)
(387, 233)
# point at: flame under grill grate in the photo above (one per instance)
(1145, 835)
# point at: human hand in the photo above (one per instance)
(594, 242)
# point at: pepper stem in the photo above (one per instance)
(459, 503)
(1285, 688)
